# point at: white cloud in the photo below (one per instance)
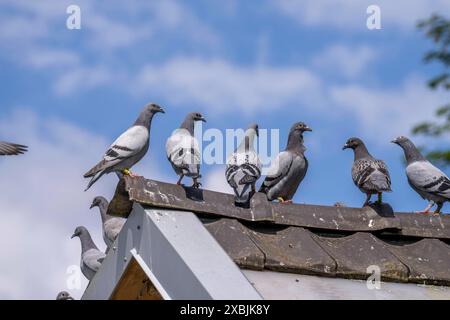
(385, 113)
(215, 180)
(345, 60)
(224, 86)
(351, 15)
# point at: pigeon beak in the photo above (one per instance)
(203, 119)
(394, 141)
(92, 205)
(73, 236)
(307, 129)
(161, 110)
(346, 146)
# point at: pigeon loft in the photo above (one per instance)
(183, 243)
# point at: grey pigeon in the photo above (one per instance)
(11, 149)
(288, 169)
(128, 149)
(244, 167)
(427, 180)
(371, 176)
(91, 257)
(183, 150)
(64, 295)
(111, 225)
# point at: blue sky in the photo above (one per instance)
(69, 93)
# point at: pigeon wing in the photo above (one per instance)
(126, 145)
(427, 178)
(8, 149)
(277, 170)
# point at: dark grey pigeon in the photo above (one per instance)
(244, 167)
(64, 295)
(111, 225)
(91, 257)
(11, 149)
(427, 180)
(183, 150)
(371, 176)
(288, 169)
(128, 149)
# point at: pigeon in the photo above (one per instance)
(427, 180)
(111, 225)
(64, 295)
(128, 149)
(91, 257)
(371, 176)
(243, 167)
(11, 149)
(183, 150)
(288, 169)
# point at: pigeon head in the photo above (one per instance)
(79, 231)
(98, 201)
(153, 108)
(352, 143)
(63, 295)
(254, 127)
(300, 126)
(196, 116)
(401, 141)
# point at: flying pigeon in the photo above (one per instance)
(427, 180)
(183, 150)
(111, 225)
(91, 257)
(244, 167)
(64, 295)
(371, 176)
(288, 169)
(128, 149)
(11, 149)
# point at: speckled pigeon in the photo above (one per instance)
(91, 257)
(289, 167)
(64, 295)
(244, 167)
(183, 150)
(128, 149)
(427, 180)
(370, 175)
(111, 225)
(11, 149)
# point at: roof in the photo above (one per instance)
(324, 241)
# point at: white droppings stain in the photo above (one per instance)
(327, 269)
(372, 248)
(164, 198)
(336, 224)
(321, 220)
(370, 223)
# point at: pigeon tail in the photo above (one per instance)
(243, 193)
(98, 167)
(94, 179)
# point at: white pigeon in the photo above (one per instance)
(128, 149)
(244, 167)
(289, 167)
(427, 180)
(91, 257)
(11, 149)
(111, 225)
(183, 151)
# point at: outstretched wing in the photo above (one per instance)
(9, 149)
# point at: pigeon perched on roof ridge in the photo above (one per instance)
(183, 150)
(289, 167)
(370, 175)
(64, 295)
(91, 256)
(111, 226)
(12, 149)
(244, 167)
(128, 149)
(427, 180)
